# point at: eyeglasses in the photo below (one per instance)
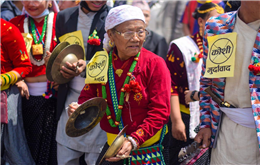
(130, 34)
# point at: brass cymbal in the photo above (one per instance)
(86, 117)
(115, 146)
(71, 54)
(53, 56)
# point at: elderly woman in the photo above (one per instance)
(145, 107)
(39, 112)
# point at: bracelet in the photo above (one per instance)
(134, 142)
(199, 94)
(191, 96)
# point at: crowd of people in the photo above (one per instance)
(178, 72)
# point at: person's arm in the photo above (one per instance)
(204, 134)
(15, 47)
(89, 91)
(158, 91)
(186, 29)
(178, 126)
(176, 66)
(185, 19)
(190, 98)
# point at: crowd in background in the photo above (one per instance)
(34, 131)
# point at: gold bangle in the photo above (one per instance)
(3, 84)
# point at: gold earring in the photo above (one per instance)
(111, 44)
(50, 5)
(201, 31)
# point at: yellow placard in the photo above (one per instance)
(96, 70)
(74, 38)
(28, 41)
(221, 55)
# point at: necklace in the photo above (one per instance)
(37, 49)
(121, 70)
(117, 107)
(196, 58)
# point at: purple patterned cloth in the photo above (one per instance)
(3, 108)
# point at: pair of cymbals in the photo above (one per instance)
(64, 52)
(86, 117)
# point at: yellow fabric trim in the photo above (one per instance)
(184, 109)
(5, 87)
(228, 4)
(149, 142)
(202, 2)
(219, 9)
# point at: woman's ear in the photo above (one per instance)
(200, 21)
(110, 35)
(49, 3)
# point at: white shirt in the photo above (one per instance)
(237, 88)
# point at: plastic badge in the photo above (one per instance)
(28, 41)
(221, 55)
(96, 71)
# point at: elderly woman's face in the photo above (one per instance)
(128, 38)
(35, 8)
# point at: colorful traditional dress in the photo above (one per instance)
(228, 126)
(14, 56)
(147, 110)
(183, 61)
(38, 111)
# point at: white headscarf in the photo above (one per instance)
(119, 15)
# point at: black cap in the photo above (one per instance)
(232, 5)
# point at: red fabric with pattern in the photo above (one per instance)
(18, 21)
(151, 112)
(13, 51)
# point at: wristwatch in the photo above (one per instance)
(192, 95)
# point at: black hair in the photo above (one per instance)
(203, 7)
(232, 5)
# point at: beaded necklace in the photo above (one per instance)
(43, 30)
(196, 58)
(38, 45)
(117, 107)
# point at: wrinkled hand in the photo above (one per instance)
(123, 152)
(72, 70)
(187, 96)
(47, 57)
(204, 136)
(72, 107)
(179, 131)
(23, 88)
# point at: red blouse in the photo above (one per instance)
(13, 51)
(19, 21)
(147, 111)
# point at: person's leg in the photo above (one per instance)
(67, 156)
(15, 142)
